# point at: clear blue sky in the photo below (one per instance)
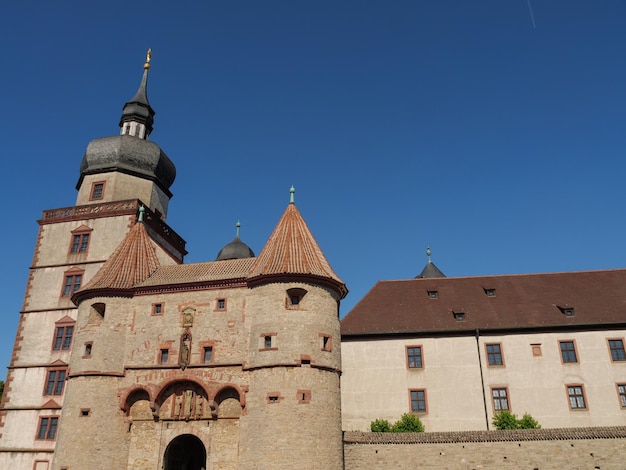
(493, 130)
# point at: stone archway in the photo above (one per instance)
(185, 452)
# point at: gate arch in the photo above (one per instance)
(185, 452)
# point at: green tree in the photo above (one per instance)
(507, 420)
(380, 425)
(408, 423)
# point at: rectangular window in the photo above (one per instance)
(414, 357)
(576, 397)
(72, 284)
(164, 356)
(621, 391)
(327, 342)
(47, 428)
(494, 354)
(268, 342)
(157, 309)
(63, 337)
(55, 382)
(617, 350)
(500, 399)
(568, 351)
(97, 190)
(80, 242)
(88, 348)
(221, 304)
(207, 354)
(418, 401)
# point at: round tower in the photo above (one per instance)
(293, 406)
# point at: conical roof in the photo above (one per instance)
(138, 109)
(292, 252)
(430, 271)
(132, 262)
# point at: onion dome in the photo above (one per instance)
(235, 249)
(131, 152)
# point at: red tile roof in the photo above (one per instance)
(292, 250)
(133, 261)
(520, 301)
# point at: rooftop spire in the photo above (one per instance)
(428, 253)
(430, 270)
(292, 192)
(238, 224)
(138, 116)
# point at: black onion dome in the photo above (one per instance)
(128, 154)
(235, 250)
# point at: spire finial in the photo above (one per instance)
(428, 252)
(142, 211)
(238, 224)
(146, 66)
(291, 195)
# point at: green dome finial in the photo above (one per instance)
(142, 211)
(428, 252)
(238, 224)
(291, 195)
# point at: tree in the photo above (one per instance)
(507, 420)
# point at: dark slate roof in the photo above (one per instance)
(430, 270)
(517, 302)
(138, 109)
(235, 250)
(128, 154)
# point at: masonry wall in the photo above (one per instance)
(542, 449)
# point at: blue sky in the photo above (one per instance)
(458, 123)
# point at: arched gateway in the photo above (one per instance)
(185, 452)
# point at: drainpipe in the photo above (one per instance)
(482, 378)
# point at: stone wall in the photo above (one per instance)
(541, 449)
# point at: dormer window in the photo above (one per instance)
(490, 292)
(433, 294)
(567, 311)
(294, 297)
(459, 316)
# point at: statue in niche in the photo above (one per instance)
(185, 350)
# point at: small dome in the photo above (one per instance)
(235, 250)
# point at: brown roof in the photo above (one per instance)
(200, 272)
(133, 261)
(292, 250)
(518, 301)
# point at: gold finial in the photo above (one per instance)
(148, 58)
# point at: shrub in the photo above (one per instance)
(380, 425)
(408, 423)
(507, 420)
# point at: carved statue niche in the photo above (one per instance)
(185, 350)
(184, 401)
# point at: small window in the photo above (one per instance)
(304, 396)
(490, 292)
(294, 297)
(576, 396)
(326, 343)
(71, 283)
(273, 397)
(164, 356)
(414, 357)
(418, 401)
(157, 309)
(268, 342)
(617, 350)
(221, 304)
(459, 316)
(84, 412)
(63, 337)
(567, 311)
(433, 294)
(621, 391)
(305, 360)
(97, 191)
(47, 428)
(207, 354)
(88, 348)
(80, 242)
(568, 351)
(55, 382)
(500, 399)
(494, 354)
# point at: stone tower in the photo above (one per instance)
(117, 175)
(294, 358)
